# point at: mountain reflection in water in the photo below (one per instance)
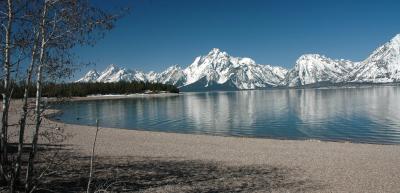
(370, 115)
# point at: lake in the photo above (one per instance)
(367, 115)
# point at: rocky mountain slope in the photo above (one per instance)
(219, 71)
(383, 65)
(216, 68)
(314, 68)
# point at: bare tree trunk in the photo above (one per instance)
(92, 157)
(6, 68)
(38, 110)
(22, 121)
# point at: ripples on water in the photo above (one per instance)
(370, 115)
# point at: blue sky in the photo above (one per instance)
(160, 33)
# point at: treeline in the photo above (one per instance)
(85, 89)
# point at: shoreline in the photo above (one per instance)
(121, 96)
(53, 112)
(338, 166)
(233, 136)
(342, 167)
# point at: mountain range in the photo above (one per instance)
(219, 71)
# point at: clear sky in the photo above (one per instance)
(160, 33)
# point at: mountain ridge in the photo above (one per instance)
(219, 71)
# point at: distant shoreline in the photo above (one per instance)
(119, 96)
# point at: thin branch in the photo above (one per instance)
(92, 157)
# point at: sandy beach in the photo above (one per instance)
(325, 166)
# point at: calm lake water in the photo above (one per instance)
(370, 115)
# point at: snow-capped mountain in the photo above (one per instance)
(113, 73)
(216, 68)
(314, 68)
(90, 76)
(173, 75)
(383, 65)
(219, 71)
(219, 68)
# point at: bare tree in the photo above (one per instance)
(44, 32)
(92, 157)
(63, 25)
(6, 92)
(13, 41)
(38, 119)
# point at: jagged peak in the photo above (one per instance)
(394, 42)
(90, 76)
(393, 47)
(308, 57)
(112, 66)
(311, 56)
(216, 52)
(173, 67)
(320, 57)
(92, 71)
(309, 68)
(396, 38)
(248, 61)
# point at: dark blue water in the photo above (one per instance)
(370, 115)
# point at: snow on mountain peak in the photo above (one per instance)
(395, 44)
(112, 67)
(311, 57)
(383, 65)
(173, 75)
(315, 68)
(215, 68)
(90, 76)
(396, 39)
(392, 46)
(218, 69)
(214, 51)
(109, 74)
(216, 54)
(247, 61)
(174, 67)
